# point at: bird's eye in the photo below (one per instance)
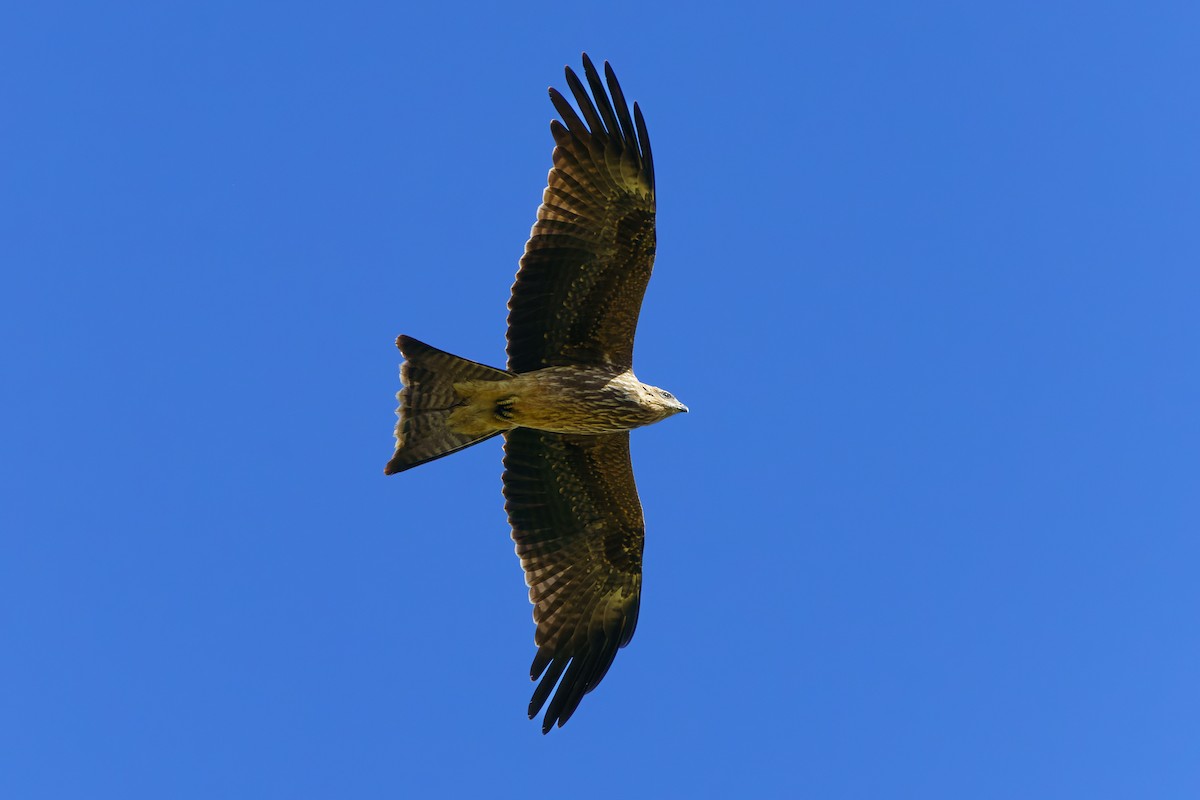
(668, 395)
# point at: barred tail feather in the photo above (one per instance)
(428, 397)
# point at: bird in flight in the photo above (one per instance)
(568, 398)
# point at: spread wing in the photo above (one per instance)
(577, 524)
(579, 290)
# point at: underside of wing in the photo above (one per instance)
(577, 523)
(579, 290)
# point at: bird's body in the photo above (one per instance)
(568, 398)
(587, 400)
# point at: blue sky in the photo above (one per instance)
(927, 279)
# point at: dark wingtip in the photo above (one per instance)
(547, 722)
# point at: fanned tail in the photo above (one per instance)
(423, 432)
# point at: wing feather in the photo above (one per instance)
(578, 530)
(579, 290)
(601, 96)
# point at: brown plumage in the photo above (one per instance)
(569, 397)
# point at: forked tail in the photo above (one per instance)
(423, 432)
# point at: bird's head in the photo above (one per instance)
(665, 401)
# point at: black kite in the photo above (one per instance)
(568, 399)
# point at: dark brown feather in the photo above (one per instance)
(426, 402)
(579, 290)
(577, 523)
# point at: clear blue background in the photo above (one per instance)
(927, 278)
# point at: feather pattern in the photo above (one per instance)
(577, 524)
(579, 289)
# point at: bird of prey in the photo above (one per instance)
(568, 398)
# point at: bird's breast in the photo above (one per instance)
(587, 400)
